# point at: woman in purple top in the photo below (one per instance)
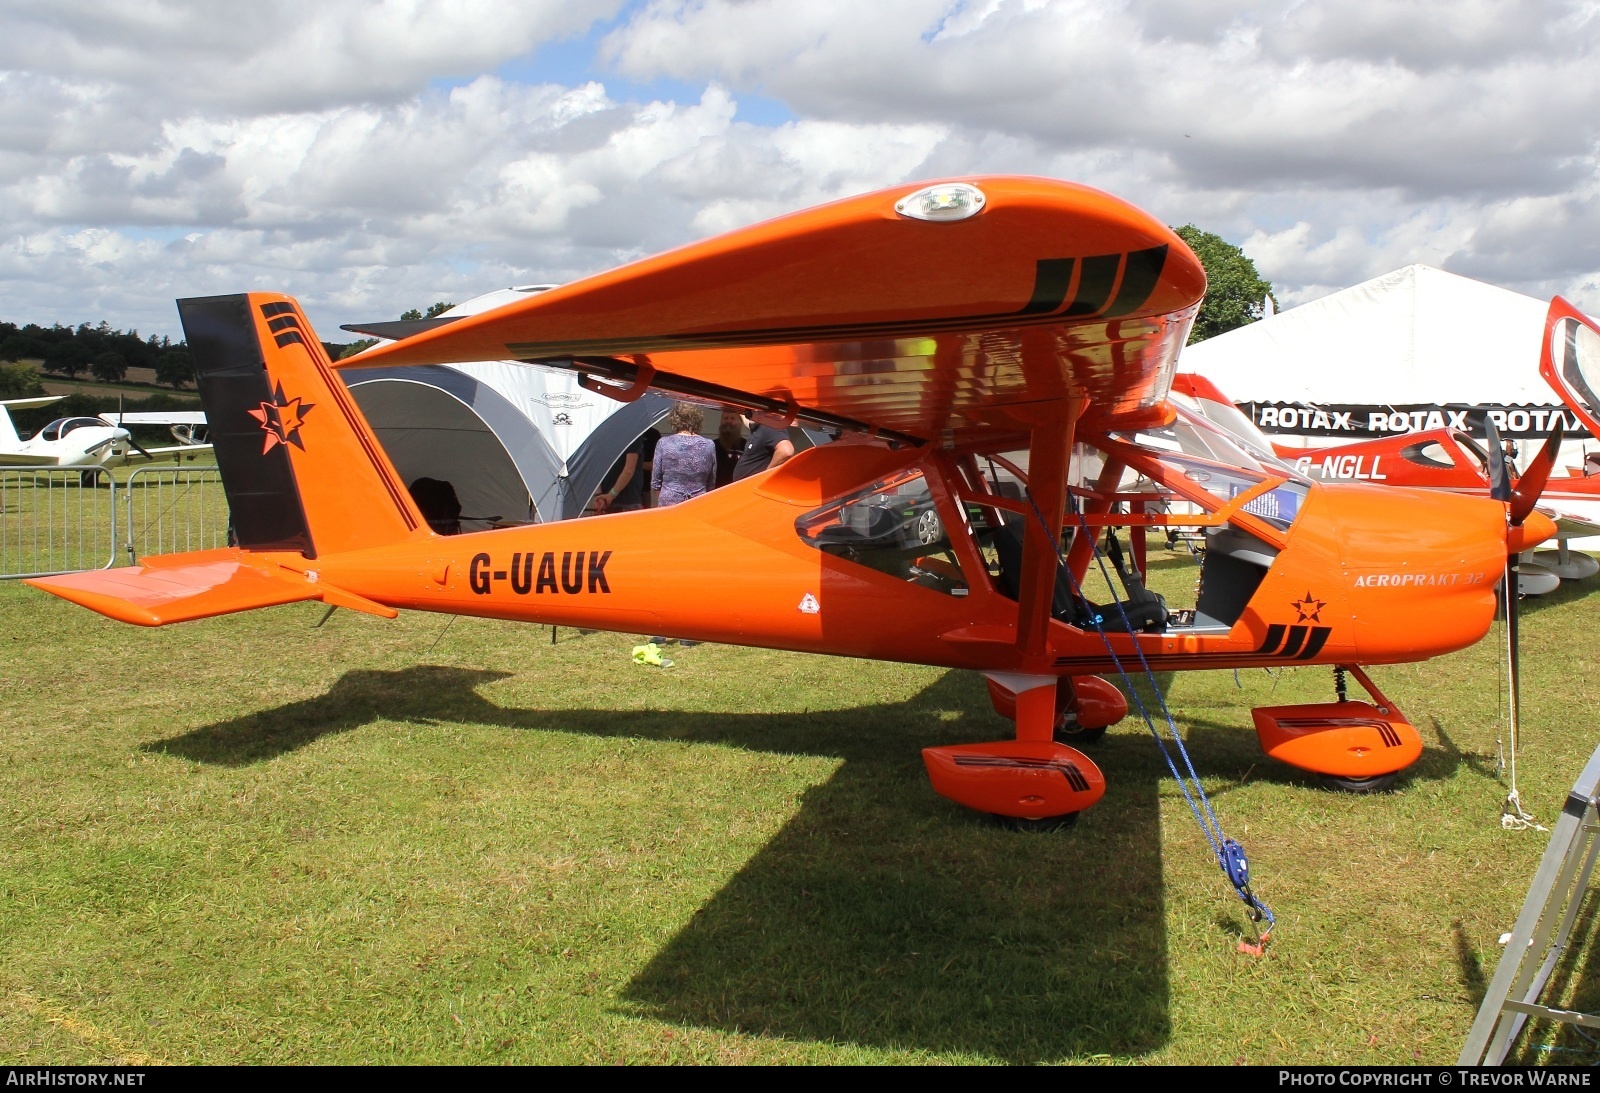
(686, 462)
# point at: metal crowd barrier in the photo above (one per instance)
(1543, 932)
(173, 509)
(56, 520)
(68, 519)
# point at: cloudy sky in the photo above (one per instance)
(373, 156)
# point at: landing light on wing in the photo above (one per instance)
(944, 201)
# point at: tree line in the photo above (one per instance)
(100, 351)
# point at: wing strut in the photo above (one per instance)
(1049, 454)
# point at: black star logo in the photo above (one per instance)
(281, 419)
(1309, 607)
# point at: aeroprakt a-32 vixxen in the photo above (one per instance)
(934, 328)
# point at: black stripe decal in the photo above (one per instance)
(283, 322)
(1096, 280)
(1051, 279)
(231, 372)
(1094, 284)
(1139, 276)
(291, 338)
(1074, 776)
(1297, 637)
(279, 308)
(1274, 638)
(1319, 638)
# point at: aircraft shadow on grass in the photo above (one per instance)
(880, 915)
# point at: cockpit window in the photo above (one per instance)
(1221, 481)
(1280, 505)
(61, 426)
(1197, 435)
(1428, 453)
(891, 526)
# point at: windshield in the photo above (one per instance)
(1224, 429)
(1578, 358)
(61, 426)
(1194, 435)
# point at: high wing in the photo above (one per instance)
(155, 417)
(1568, 525)
(963, 311)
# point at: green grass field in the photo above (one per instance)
(421, 841)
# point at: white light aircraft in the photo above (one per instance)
(91, 441)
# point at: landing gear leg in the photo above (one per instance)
(1031, 783)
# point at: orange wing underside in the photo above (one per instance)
(1054, 292)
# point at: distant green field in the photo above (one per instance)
(246, 839)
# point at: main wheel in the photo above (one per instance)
(1074, 735)
(1378, 783)
(1041, 826)
(930, 529)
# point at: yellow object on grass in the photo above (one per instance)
(650, 653)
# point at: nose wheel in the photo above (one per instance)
(1380, 783)
(1354, 747)
(1042, 826)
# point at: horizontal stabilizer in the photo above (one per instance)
(399, 329)
(157, 595)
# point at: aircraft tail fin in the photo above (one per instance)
(302, 469)
(8, 428)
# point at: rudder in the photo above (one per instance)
(301, 467)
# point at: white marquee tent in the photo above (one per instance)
(1413, 349)
(514, 441)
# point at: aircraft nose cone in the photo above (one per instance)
(1534, 530)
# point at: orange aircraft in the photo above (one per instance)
(1450, 458)
(935, 328)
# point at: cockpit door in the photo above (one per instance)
(1570, 361)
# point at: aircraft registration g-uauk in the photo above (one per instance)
(933, 327)
(92, 441)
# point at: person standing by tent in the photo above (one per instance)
(730, 444)
(623, 487)
(647, 462)
(766, 448)
(685, 462)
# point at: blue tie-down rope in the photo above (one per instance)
(1230, 854)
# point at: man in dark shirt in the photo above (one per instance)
(623, 487)
(647, 459)
(766, 448)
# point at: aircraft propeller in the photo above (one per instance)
(129, 436)
(140, 448)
